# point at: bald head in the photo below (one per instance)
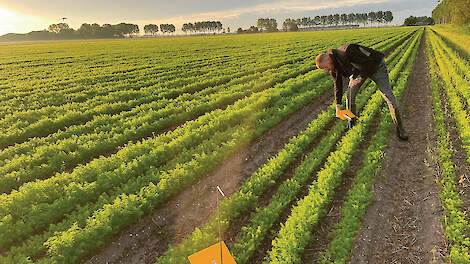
(324, 62)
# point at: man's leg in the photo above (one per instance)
(382, 81)
(351, 100)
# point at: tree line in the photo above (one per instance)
(452, 11)
(290, 24)
(379, 17)
(94, 30)
(152, 29)
(202, 27)
(418, 21)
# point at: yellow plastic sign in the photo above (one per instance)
(346, 114)
(211, 255)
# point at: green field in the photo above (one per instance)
(97, 135)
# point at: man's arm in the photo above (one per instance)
(338, 90)
(338, 86)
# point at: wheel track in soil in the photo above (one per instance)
(403, 224)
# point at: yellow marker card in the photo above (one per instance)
(344, 114)
(211, 255)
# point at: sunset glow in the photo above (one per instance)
(18, 23)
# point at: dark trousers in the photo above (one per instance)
(382, 81)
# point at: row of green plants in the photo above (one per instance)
(455, 87)
(462, 69)
(456, 227)
(258, 183)
(360, 194)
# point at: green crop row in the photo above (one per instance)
(453, 82)
(462, 67)
(456, 227)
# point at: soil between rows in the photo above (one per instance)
(403, 224)
(149, 238)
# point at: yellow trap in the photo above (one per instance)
(346, 114)
(212, 255)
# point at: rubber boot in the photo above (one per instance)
(401, 133)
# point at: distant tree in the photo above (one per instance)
(289, 25)
(336, 19)
(151, 29)
(344, 19)
(372, 17)
(388, 16)
(228, 29)
(57, 28)
(267, 24)
(418, 21)
(352, 18)
(324, 20)
(253, 29)
(379, 17)
(167, 28)
(239, 30)
(317, 20)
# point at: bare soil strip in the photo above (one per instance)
(144, 241)
(403, 224)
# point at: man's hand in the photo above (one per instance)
(338, 109)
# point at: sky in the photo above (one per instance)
(21, 16)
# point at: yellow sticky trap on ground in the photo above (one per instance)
(211, 255)
(346, 114)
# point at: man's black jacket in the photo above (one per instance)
(355, 60)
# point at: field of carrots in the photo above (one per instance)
(111, 150)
